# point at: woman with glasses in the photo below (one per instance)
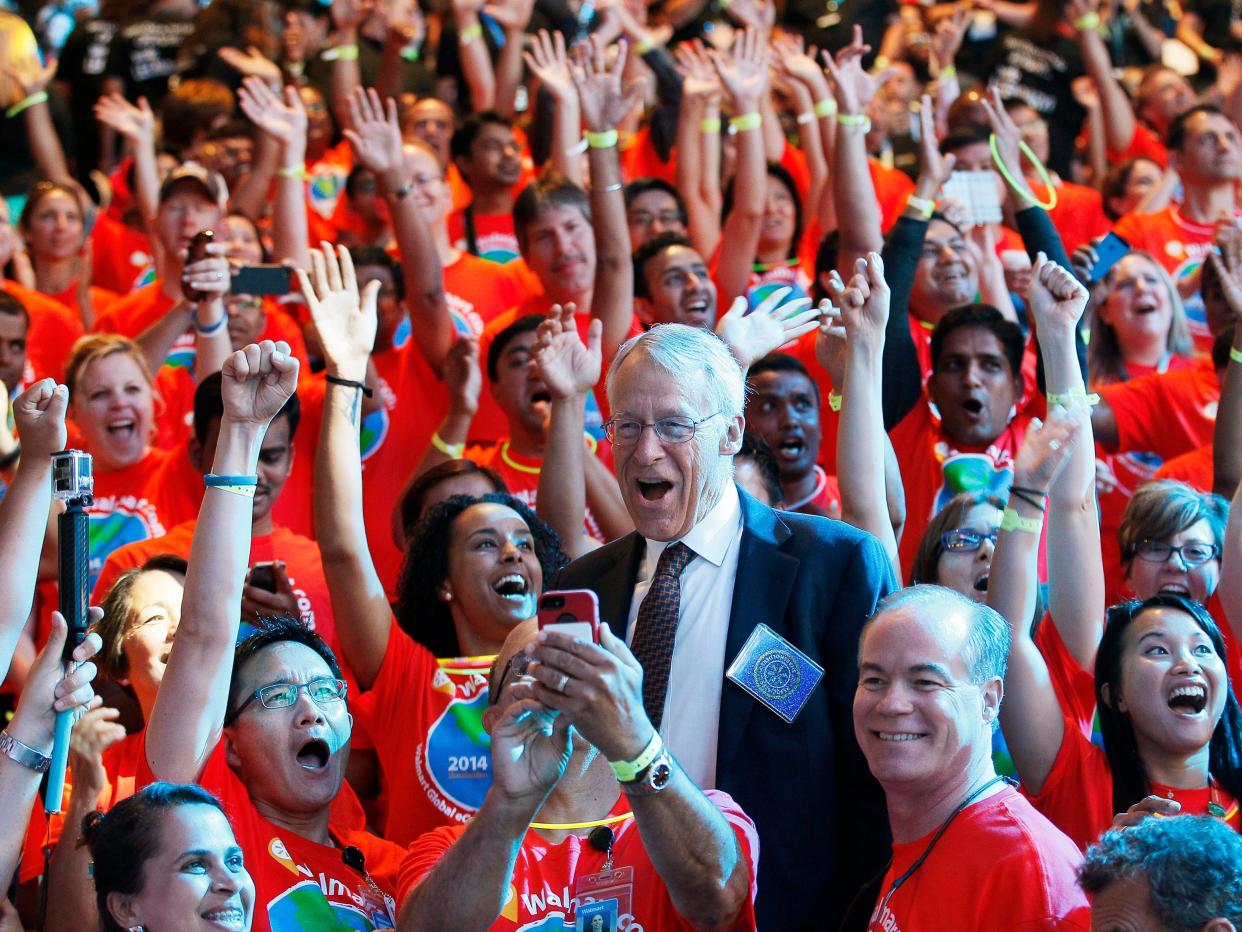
(1170, 538)
(166, 858)
(474, 568)
(956, 549)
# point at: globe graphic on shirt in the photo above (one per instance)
(304, 907)
(371, 435)
(458, 752)
(972, 472)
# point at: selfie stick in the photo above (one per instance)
(72, 483)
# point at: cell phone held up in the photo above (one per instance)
(196, 252)
(262, 280)
(570, 611)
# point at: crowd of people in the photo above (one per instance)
(866, 376)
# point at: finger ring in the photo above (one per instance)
(560, 688)
(1054, 445)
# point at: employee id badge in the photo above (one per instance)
(600, 916)
(775, 672)
(613, 888)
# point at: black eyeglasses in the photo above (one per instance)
(518, 664)
(1194, 553)
(322, 689)
(965, 540)
(675, 429)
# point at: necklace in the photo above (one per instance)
(932, 844)
(821, 480)
(568, 826)
(477, 664)
(1215, 807)
(512, 464)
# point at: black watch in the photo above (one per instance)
(653, 778)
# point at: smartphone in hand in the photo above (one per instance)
(196, 252)
(571, 611)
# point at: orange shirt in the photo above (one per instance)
(129, 506)
(101, 298)
(1143, 144)
(1079, 214)
(1168, 413)
(998, 865)
(121, 258)
(1195, 468)
(300, 884)
(436, 755)
(300, 556)
(1077, 796)
(53, 331)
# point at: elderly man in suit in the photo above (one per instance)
(746, 622)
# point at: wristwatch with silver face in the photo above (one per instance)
(653, 778)
(23, 754)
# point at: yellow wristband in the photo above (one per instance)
(1012, 521)
(923, 205)
(834, 401)
(853, 119)
(746, 121)
(471, 32)
(38, 97)
(454, 450)
(341, 53)
(1235, 354)
(709, 125)
(627, 771)
(643, 46)
(293, 172)
(605, 140)
(948, 71)
(1087, 22)
(825, 108)
(244, 491)
(1072, 399)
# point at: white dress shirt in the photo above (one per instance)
(692, 703)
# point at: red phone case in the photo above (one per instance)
(581, 606)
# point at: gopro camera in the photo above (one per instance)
(72, 476)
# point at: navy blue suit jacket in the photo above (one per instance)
(823, 827)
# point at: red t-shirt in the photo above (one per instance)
(544, 878)
(121, 258)
(301, 885)
(934, 469)
(1074, 686)
(129, 506)
(1181, 245)
(824, 500)
(639, 159)
(1077, 796)
(1195, 468)
(436, 755)
(1079, 214)
(1168, 413)
(300, 556)
(101, 298)
(999, 865)
(53, 331)
(1145, 144)
(493, 234)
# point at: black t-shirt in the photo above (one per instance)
(81, 67)
(829, 24)
(1040, 70)
(145, 54)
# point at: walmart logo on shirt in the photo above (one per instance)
(304, 908)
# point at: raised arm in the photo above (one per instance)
(137, 125)
(604, 105)
(40, 416)
(476, 63)
(207, 280)
(751, 336)
(698, 146)
(48, 691)
(284, 122)
(32, 79)
(858, 213)
(744, 76)
(1075, 562)
(1226, 448)
(376, 140)
(1030, 715)
(346, 328)
(513, 17)
(189, 710)
(570, 370)
(463, 378)
(549, 63)
(860, 433)
(1115, 107)
(809, 86)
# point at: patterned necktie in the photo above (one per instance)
(656, 628)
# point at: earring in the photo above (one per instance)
(137, 929)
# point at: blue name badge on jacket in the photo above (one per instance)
(775, 672)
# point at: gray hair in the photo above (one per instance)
(1191, 865)
(987, 638)
(683, 351)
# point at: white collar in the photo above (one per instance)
(710, 537)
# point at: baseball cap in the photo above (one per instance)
(209, 183)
